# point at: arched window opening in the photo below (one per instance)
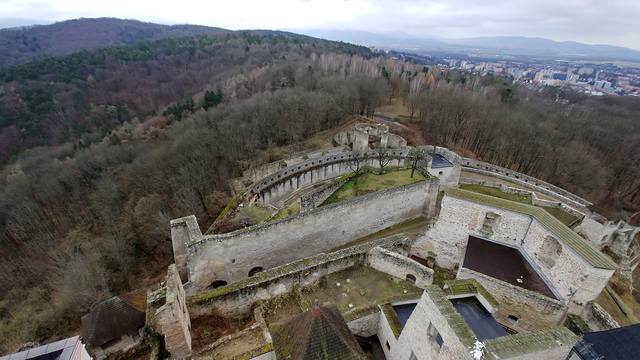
(410, 278)
(255, 270)
(217, 284)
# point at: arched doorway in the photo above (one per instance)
(255, 270)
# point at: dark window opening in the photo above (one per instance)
(217, 284)
(410, 278)
(255, 270)
(513, 319)
(388, 346)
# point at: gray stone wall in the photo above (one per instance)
(568, 274)
(315, 198)
(485, 168)
(231, 256)
(414, 337)
(399, 266)
(533, 310)
(172, 319)
(279, 281)
(285, 181)
(365, 326)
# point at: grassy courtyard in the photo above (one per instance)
(372, 181)
(495, 192)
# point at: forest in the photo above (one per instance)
(110, 144)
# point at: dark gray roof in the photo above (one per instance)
(615, 344)
(59, 350)
(317, 334)
(110, 320)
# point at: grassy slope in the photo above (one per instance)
(486, 190)
(371, 182)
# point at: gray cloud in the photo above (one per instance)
(612, 21)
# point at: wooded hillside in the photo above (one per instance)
(21, 45)
(102, 148)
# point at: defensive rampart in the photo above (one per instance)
(237, 299)
(292, 178)
(485, 168)
(232, 256)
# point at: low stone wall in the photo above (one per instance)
(283, 182)
(365, 326)
(484, 168)
(315, 198)
(604, 319)
(399, 266)
(237, 299)
(535, 200)
(230, 257)
(533, 310)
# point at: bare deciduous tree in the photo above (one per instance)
(383, 155)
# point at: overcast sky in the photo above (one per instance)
(615, 22)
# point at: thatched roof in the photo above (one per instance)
(110, 320)
(317, 334)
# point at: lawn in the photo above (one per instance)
(495, 192)
(372, 181)
(290, 210)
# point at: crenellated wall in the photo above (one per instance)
(231, 256)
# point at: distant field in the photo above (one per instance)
(371, 182)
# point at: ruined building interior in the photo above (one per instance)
(431, 269)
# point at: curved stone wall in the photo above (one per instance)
(292, 178)
(544, 187)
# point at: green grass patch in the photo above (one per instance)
(255, 213)
(371, 182)
(412, 228)
(290, 210)
(441, 275)
(495, 192)
(561, 215)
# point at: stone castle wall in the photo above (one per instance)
(399, 266)
(565, 272)
(534, 311)
(231, 256)
(278, 185)
(485, 168)
(239, 300)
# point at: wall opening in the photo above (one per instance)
(217, 284)
(513, 319)
(410, 278)
(255, 270)
(388, 346)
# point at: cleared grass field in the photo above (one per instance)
(371, 182)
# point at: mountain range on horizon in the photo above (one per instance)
(487, 45)
(21, 44)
